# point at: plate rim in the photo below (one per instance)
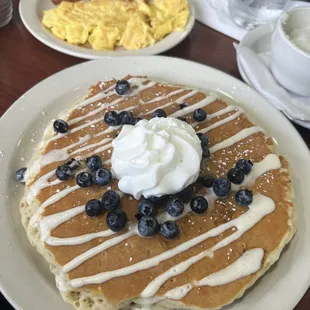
(85, 53)
(35, 88)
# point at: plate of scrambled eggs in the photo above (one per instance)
(98, 28)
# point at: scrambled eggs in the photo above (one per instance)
(107, 24)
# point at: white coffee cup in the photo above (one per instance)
(290, 64)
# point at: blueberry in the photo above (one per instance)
(93, 207)
(20, 175)
(102, 176)
(221, 187)
(183, 105)
(122, 87)
(205, 153)
(159, 113)
(186, 194)
(135, 120)
(116, 220)
(84, 179)
(199, 115)
(147, 207)
(183, 119)
(73, 164)
(175, 207)
(94, 162)
(235, 175)
(169, 229)
(111, 118)
(199, 204)
(147, 226)
(155, 199)
(207, 180)
(138, 216)
(125, 117)
(245, 165)
(204, 141)
(60, 126)
(110, 200)
(244, 197)
(63, 173)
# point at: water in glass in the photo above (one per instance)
(251, 13)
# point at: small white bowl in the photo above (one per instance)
(290, 65)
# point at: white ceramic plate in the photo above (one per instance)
(31, 12)
(259, 40)
(25, 277)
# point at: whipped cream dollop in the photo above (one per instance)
(156, 157)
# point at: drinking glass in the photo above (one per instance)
(6, 10)
(251, 13)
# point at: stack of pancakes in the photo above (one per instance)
(46, 197)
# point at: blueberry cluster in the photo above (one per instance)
(110, 201)
(147, 208)
(147, 222)
(97, 175)
(237, 174)
(112, 118)
(116, 218)
(222, 186)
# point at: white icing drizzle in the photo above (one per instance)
(148, 301)
(178, 101)
(107, 92)
(269, 163)
(245, 133)
(179, 292)
(103, 148)
(248, 263)
(58, 196)
(89, 146)
(221, 112)
(61, 154)
(260, 207)
(201, 104)
(48, 223)
(56, 241)
(96, 250)
(221, 122)
(229, 108)
(39, 184)
(108, 130)
(51, 200)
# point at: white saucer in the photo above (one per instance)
(31, 12)
(259, 40)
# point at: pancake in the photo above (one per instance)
(218, 254)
